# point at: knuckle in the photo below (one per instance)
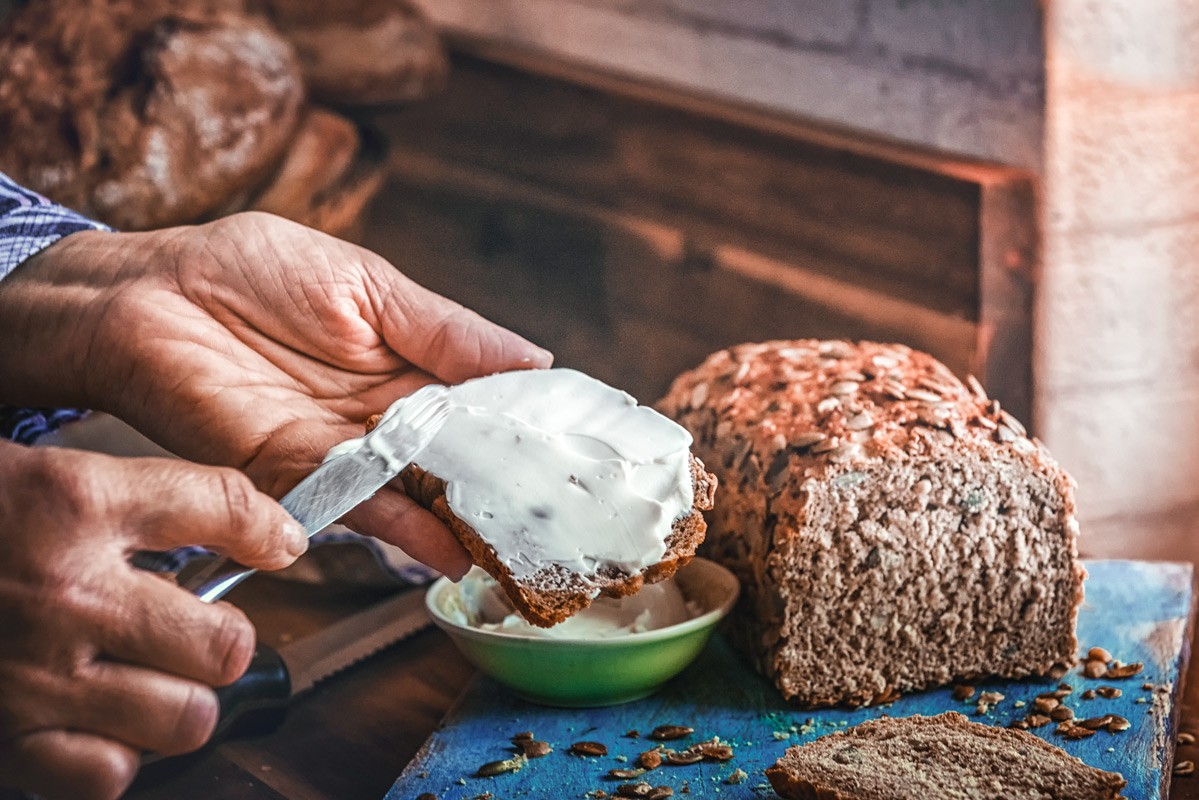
(234, 641)
(196, 716)
(73, 486)
(239, 495)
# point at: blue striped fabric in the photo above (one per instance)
(29, 223)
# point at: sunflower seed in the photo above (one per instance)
(843, 387)
(925, 396)
(532, 748)
(1077, 732)
(589, 749)
(976, 387)
(828, 404)
(681, 758)
(1099, 654)
(640, 789)
(625, 774)
(806, 440)
(699, 394)
(985, 422)
(962, 691)
(845, 453)
(1125, 670)
(1109, 692)
(1061, 714)
(1045, 704)
(1013, 423)
(835, 349)
(659, 793)
(859, 422)
(851, 376)
(1006, 434)
(713, 750)
(1118, 723)
(650, 759)
(668, 733)
(1095, 723)
(826, 445)
(493, 768)
(894, 390)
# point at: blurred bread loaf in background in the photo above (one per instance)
(151, 114)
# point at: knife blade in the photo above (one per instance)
(352, 474)
(276, 676)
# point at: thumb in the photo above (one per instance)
(444, 338)
(166, 503)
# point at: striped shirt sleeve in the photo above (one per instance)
(29, 223)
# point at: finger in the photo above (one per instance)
(165, 628)
(444, 338)
(168, 503)
(396, 519)
(70, 765)
(144, 709)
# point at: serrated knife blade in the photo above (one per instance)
(346, 642)
(274, 677)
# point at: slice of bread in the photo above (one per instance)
(945, 757)
(563, 488)
(553, 593)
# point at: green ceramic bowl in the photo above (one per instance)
(579, 673)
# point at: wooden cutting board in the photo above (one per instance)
(1140, 611)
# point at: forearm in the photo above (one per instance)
(35, 366)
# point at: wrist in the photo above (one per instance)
(51, 307)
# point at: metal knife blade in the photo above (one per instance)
(345, 480)
(344, 643)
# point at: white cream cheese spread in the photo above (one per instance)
(482, 604)
(553, 467)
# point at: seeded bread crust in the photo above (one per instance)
(553, 593)
(893, 529)
(942, 757)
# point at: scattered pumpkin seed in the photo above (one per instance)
(667, 733)
(589, 749)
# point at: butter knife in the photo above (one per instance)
(352, 473)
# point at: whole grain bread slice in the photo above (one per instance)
(553, 593)
(945, 757)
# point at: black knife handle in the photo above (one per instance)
(266, 686)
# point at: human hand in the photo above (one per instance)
(102, 661)
(251, 342)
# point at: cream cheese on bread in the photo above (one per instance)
(553, 467)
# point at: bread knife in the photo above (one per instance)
(350, 475)
(276, 676)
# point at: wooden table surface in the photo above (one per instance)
(352, 736)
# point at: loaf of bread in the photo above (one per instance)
(945, 757)
(368, 52)
(144, 114)
(330, 173)
(893, 529)
(562, 488)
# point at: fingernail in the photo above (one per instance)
(295, 538)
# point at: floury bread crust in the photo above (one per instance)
(554, 593)
(945, 757)
(892, 529)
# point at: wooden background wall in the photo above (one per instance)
(632, 229)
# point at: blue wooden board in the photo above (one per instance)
(1140, 611)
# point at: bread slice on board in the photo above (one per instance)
(893, 528)
(945, 757)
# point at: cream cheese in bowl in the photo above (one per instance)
(482, 604)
